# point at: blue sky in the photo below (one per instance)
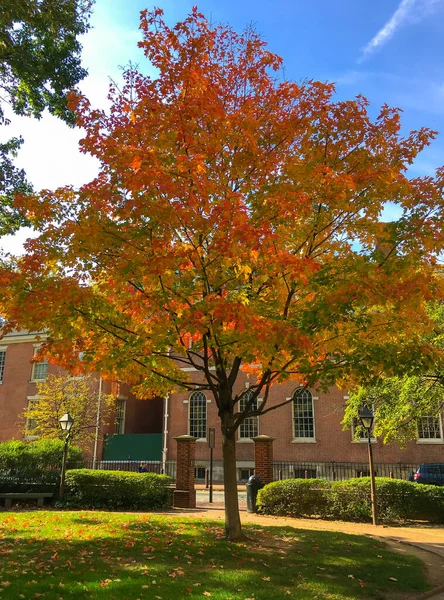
(390, 51)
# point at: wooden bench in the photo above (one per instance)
(39, 496)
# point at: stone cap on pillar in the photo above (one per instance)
(185, 438)
(263, 438)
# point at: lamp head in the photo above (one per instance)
(367, 417)
(66, 422)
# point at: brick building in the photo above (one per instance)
(309, 439)
(18, 387)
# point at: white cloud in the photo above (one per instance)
(408, 11)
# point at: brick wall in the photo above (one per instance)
(331, 442)
(17, 386)
(142, 416)
(145, 416)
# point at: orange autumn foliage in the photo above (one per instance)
(234, 224)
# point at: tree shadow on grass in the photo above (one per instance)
(144, 556)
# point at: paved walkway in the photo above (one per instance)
(428, 538)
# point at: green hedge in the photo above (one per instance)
(350, 500)
(294, 497)
(33, 466)
(86, 488)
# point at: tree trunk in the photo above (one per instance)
(233, 529)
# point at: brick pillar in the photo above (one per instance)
(263, 458)
(184, 495)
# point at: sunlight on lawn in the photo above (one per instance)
(98, 555)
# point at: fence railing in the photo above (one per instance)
(335, 471)
(133, 466)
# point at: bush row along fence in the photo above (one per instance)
(32, 477)
(349, 500)
(110, 489)
(332, 471)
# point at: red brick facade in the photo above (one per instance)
(17, 387)
(328, 443)
(263, 458)
(185, 494)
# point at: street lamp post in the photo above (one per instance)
(367, 417)
(65, 424)
(211, 444)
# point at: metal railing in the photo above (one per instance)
(133, 466)
(335, 471)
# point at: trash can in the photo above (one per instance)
(253, 486)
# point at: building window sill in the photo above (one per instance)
(372, 440)
(245, 441)
(435, 441)
(304, 441)
(201, 440)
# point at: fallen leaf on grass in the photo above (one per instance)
(393, 579)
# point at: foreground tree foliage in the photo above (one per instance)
(400, 402)
(237, 211)
(39, 64)
(59, 394)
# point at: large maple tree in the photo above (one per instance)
(234, 225)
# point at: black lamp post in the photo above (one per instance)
(211, 444)
(367, 417)
(65, 425)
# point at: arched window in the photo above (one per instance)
(198, 415)
(303, 415)
(249, 428)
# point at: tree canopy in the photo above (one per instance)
(234, 225)
(39, 64)
(60, 394)
(401, 402)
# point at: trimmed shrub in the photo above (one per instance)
(350, 500)
(431, 503)
(32, 466)
(294, 498)
(122, 490)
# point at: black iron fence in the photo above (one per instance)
(335, 471)
(134, 466)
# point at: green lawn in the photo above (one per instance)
(60, 555)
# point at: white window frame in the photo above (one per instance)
(241, 438)
(439, 440)
(199, 439)
(2, 363)
(34, 365)
(122, 422)
(303, 440)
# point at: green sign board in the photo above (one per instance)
(133, 446)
